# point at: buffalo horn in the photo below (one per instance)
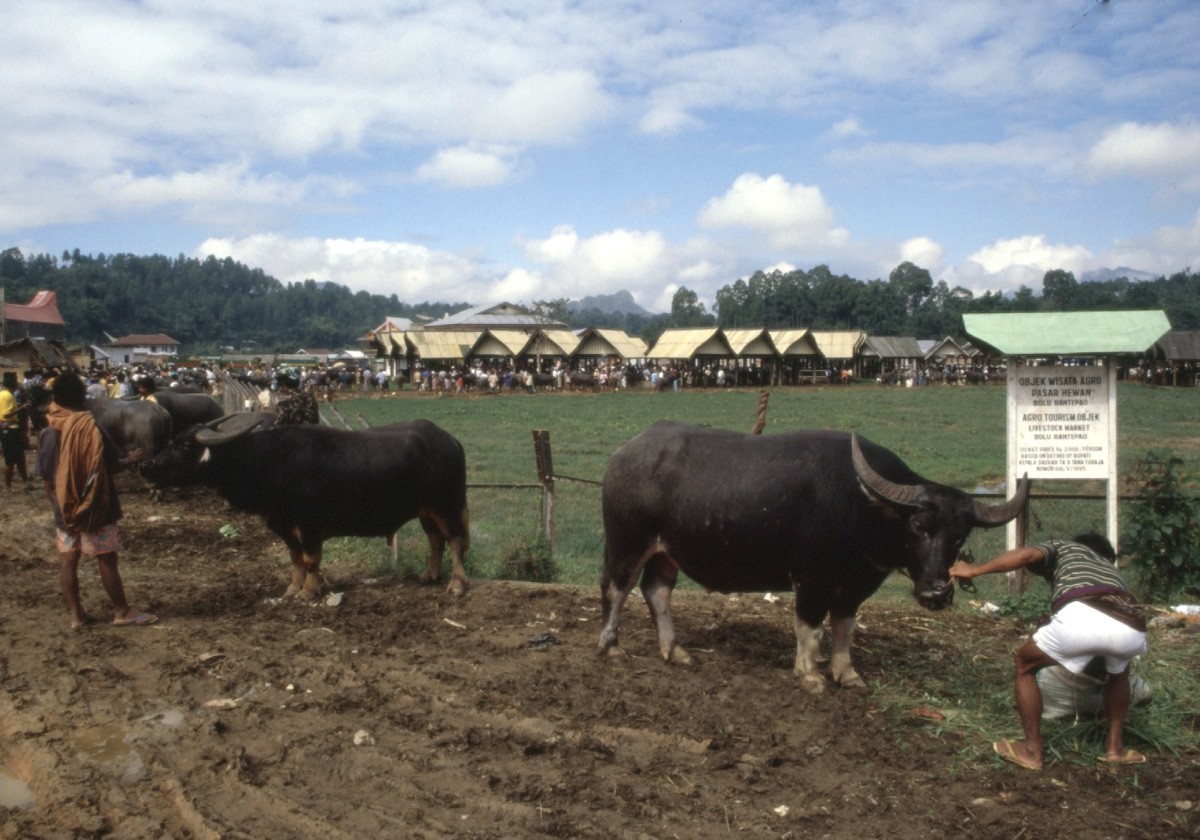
(231, 427)
(999, 514)
(907, 495)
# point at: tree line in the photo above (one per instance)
(205, 304)
(209, 304)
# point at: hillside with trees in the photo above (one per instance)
(204, 304)
(211, 303)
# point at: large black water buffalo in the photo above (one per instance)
(825, 514)
(314, 482)
(188, 409)
(133, 424)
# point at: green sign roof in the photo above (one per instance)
(1068, 333)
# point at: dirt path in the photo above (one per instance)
(404, 713)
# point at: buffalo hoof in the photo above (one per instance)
(457, 587)
(677, 656)
(812, 683)
(851, 679)
(613, 652)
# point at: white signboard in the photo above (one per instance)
(1062, 422)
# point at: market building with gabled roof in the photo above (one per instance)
(39, 318)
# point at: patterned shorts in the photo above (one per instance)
(92, 543)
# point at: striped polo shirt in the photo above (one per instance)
(1069, 565)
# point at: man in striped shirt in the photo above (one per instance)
(1093, 615)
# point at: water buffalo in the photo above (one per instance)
(825, 514)
(188, 409)
(314, 482)
(133, 424)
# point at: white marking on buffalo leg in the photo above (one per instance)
(840, 665)
(613, 598)
(808, 640)
(657, 593)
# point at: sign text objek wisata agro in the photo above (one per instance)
(1062, 422)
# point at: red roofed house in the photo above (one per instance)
(39, 318)
(132, 349)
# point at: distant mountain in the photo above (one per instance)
(1100, 275)
(621, 303)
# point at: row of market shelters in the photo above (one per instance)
(508, 335)
(505, 334)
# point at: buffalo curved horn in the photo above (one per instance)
(225, 429)
(988, 515)
(907, 495)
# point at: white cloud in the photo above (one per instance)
(468, 167)
(792, 217)
(604, 263)
(551, 107)
(414, 273)
(667, 119)
(1162, 150)
(1163, 251)
(923, 252)
(1007, 264)
(1036, 252)
(849, 127)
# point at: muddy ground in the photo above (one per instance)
(403, 712)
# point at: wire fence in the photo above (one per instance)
(565, 510)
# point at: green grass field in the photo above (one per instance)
(954, 435)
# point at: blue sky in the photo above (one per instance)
(519, 150)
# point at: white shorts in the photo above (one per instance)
(1079, 632)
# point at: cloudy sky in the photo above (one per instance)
(521, 150)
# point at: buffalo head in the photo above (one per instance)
(936, 522)
(185, 459)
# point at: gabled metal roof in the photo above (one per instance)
(596, 341)
(947, 347)
(798, 342)
(500, 343)
(686, 343)
(751, 342)
(442, 345)
(554, 343)
(494, 316)
(839, 344)
(892, 347)
(1068, 333)
(1180, 346)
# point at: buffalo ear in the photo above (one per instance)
(902, 495)
(230, 427)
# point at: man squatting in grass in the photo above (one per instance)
(78, 460)
(1092, 614)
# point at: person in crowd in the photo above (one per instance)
(78, 461)
(12, 430)
(1093, 615)
(96, 389)
(146, 388)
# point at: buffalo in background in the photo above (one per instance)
(310, 483)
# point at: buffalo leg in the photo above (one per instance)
(808, 619)
(658, 581)
(842, 618)
(840, 665)
(439, 532)
(614, 590)
(306, 565)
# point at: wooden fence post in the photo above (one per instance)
(545, 468)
